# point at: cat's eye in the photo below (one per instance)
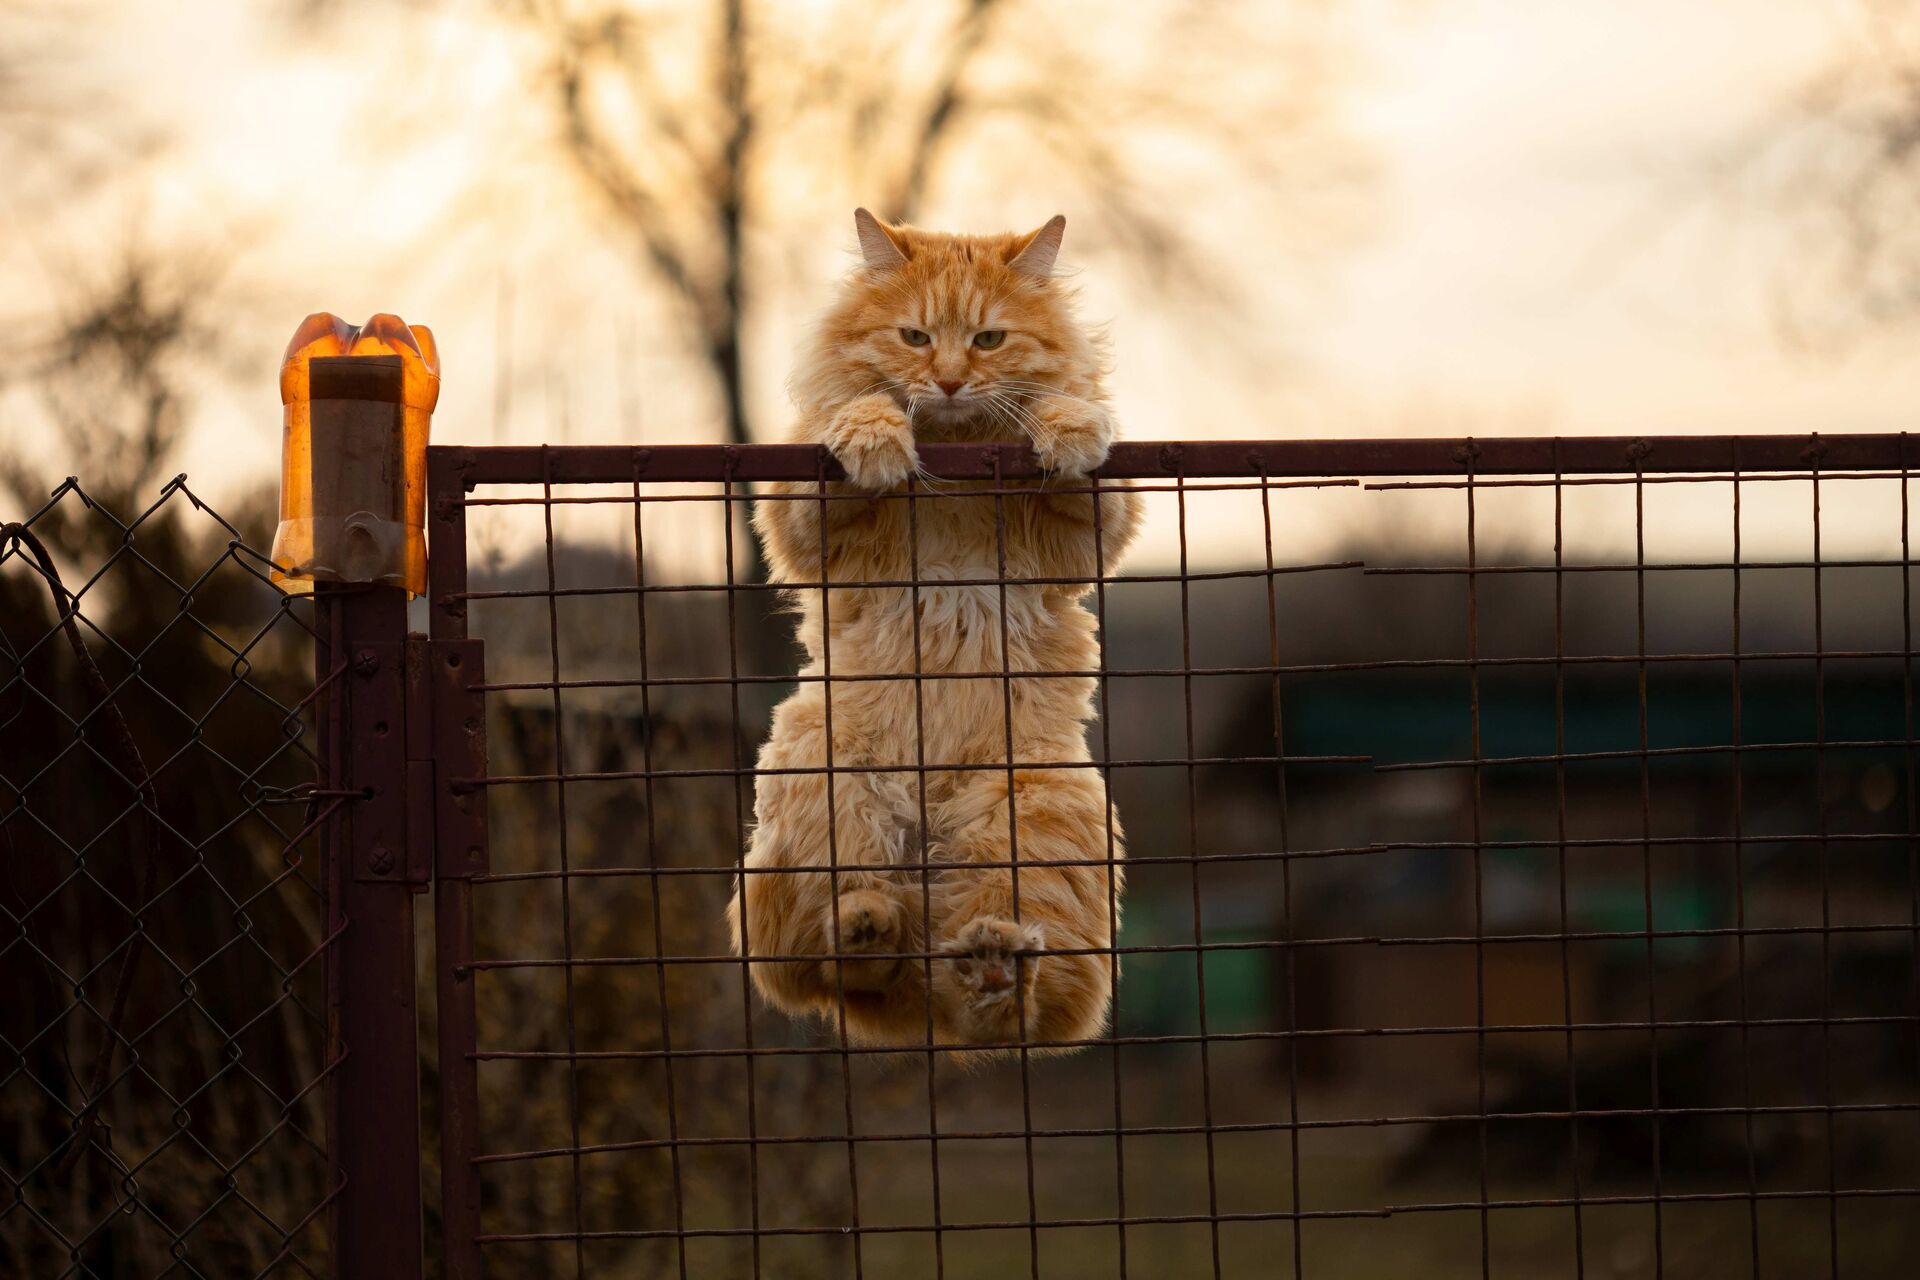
(915, 337)
(988, 339)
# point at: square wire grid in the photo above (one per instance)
(1520, 880)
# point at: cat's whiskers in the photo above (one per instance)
(998, 409)
(1019, 414)
(1020, 418)
(927, 479)
(882, 383)
(1040, 389)
(1001, 412)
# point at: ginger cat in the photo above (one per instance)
(941, 338)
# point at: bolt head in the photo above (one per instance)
(366, 662)
(380, 859)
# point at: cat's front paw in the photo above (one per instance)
(989, 978)
(1072, 440)
(872, 438)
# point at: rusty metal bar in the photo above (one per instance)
(374, 1097)
(1591, 455)
(461, 853)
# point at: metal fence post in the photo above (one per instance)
(373, 1096)
(461, 853)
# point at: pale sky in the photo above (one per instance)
(1546, 258)
(1556, 263)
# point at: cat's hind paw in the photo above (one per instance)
(989, 983)
(867, 921)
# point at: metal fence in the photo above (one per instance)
(1524, 882)
(1493, 907)
(163, 1033)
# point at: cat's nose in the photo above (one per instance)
(948, 387)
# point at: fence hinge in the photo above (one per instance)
(448, 750)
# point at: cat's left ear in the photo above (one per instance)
(1034, 256)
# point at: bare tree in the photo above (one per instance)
(106, 378)
(692, 123)
(107, 345)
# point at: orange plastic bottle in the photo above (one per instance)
(353, 463)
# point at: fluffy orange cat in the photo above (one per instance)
(941, 338)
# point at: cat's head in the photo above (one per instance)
(959, 329)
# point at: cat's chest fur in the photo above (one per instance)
(979, 540)
(964, 565)
(958, 575)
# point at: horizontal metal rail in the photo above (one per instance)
(1135, 460)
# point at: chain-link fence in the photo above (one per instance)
(163, 1033)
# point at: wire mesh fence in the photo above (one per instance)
(1520, 869)
(1520, 840)
(163, 1036)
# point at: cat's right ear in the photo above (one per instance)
(878, 244)
(1034, 255)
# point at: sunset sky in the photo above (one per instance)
(1543, 250)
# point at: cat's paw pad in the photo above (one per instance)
(872, 439)
(993, 976)
(1073, 445)
(868, 921)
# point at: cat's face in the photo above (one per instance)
(959, 330)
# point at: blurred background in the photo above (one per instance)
(1299, 218)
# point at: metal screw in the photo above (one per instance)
(366, 662)
(380, 859)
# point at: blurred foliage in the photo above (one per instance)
(1841, 165)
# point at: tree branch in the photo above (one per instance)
(969, 36)
(635, 204)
